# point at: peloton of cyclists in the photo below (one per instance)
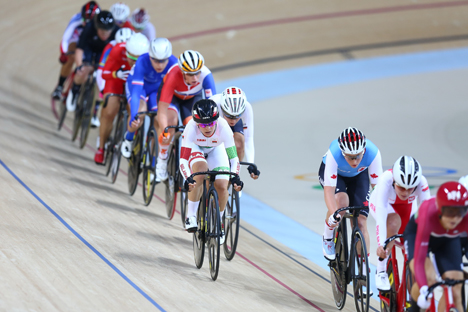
(183, 85)
(437, 226)
(207, 144)
(140, 22)
(392, 203)
(68, 44)
(121, 59)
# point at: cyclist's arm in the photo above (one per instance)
(137, 86)
(167, 92)
(379, 204)
(68, 33)
(209, 86)
(150, 31)
(375, 169)
(329, 183)
(185, 152)
(79, 57)
(82, 44)
(422, 191)
(421, 246)
(228, 138)
(247, 118)
(112, 65)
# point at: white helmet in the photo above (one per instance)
(407, 172)
(160, 48)
(123, 34)
(464, 181)
(139, 18)
(191, 62)
(352, 141)
(233, 102)
(120, 11)
(138, 44)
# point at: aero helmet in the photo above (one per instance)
(352, 141)
(120, 11)
(104, 20)
(233, 102)
(451, 194)
(123, 34)
(464, 181)
(137, 45)
(88, 10)
(205, 111)
(139, 18)
(407, 172)
(160, 48)
(191, 62)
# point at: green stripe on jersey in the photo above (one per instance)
(232, 152)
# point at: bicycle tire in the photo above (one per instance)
(78, 115)
(120, 129)
(183, 201)
(170, 183)
(360, 280)
(134, 163)
(199, 236)
(338, 268)
(231, 221)
(88, 105)
(150, 153)
(62, 113)
(108, 154)
(391, 295)
(214, 234)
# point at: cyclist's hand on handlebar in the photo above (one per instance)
(424, 302)
(121, 74)
(237, 183)
(332, 222)
(189, 184)
(382, 253)
(136, 122)
(254, 172)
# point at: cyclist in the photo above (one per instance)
(121, 59)
(391, 204)
(350, 162)
(95, 36)
(140, 22)
(207, 144)
(234, 107)
(120, 11)
(437, 227)
(68, 45)
(183, 85)
(143, 84)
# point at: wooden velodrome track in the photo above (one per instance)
(71, 241)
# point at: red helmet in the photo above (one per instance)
(89, 9)
(451, 194)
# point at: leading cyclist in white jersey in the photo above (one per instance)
(207, 143)
(392, 203)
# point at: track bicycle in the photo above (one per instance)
(143, 157)
(85, 107)
(62, 103)
(114, 142)
(209, 223)
(447, 285)
(350, 264)
(397, 299)
(175, 181)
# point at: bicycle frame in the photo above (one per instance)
(449, 303)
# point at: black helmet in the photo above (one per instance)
(89, 9)
(104, 20)
(205, 111)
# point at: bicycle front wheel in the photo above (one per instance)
(183, 199)
(199, 236)
(134, 164)
(361, 273)
(214, 228)
(62, 113)
(170, 183)
(391, 296)
(88, 103)
(231, 225)
(78, 115)
(338, 268)
(150, 153)
(120, 129)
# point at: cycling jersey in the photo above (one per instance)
(117, 60)
(384, 201)
(72, 32)
(428, 226)
(195, 145)
(336, 164)
(149, 31)
(105, 54)
(90, 41)
(248, 129)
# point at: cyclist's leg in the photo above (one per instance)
(197, 163)
(218, 161)
(172, 119)
(66, 69)
(109, 112)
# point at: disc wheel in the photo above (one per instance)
(338, 269)
(214, 234)
(150, 153)
(199, 237)
(361, 274)
(134, 164)
(231, 223)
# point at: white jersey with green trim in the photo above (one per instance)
(222, 135)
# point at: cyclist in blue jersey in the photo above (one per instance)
(143, 84)
(351, 163)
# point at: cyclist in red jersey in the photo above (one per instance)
(121, 59)
(437, 227)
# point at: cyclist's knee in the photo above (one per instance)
(342, 199)
(393, 223)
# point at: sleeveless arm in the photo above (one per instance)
(249, 133)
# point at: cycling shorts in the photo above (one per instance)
(114, 86)
(88, 57)
(151, 100)
(447, 251)
(356, 187)
(216, 159)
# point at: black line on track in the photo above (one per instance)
(298, 262)
(344, 51)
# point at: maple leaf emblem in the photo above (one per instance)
(374, 176)
(333, 176)
(366, 203)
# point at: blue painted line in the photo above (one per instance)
(82, 239)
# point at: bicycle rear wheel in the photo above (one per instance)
(231, 225)
(199, 236)
(214, 228)
(78, 114)
(170, 183)
(150, 153)
(62, 113)
(120, 129)
(88, 111)
(338, 268)
(183, 199)
(361, 273)
(134, 163)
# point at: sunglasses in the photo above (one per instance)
(132, 57)
(193, 74)
(452, 212)
(231, 117)
(211, 124)
(158, 61)
(353, 157)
